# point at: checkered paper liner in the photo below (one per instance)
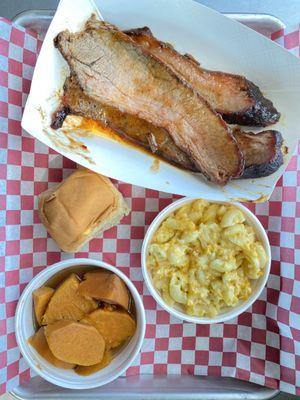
(262, 345)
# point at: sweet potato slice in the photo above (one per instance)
(75, 342)
(67, 303)
(39, 342)
(115, 326)
(83, 370)
(105, 286)
(41, 297)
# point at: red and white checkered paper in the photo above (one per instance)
(262, 345)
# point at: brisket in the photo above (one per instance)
(235, 97)
(112, 69)
(262, 152)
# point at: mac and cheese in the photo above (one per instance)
(203, 257)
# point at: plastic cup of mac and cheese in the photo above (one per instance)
(206, 261)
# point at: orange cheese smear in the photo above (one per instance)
(74, 342)
(41, 297)
(114, 326)
(67, 304)
(39, 342)
(81, 370)
(105, 286)
(71, 210)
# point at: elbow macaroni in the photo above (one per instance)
(203, 257)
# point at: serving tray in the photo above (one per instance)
(147, 386)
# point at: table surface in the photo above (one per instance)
(287, 11)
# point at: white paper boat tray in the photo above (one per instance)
(217, 42)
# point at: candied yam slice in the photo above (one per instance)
(67, 304)
(115, 326)
(105, 286)
(41, 297)
(83, 370)
(75, 342)
(39, 343)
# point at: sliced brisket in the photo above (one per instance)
(113, 69)
(262, 152)
(155, 139)
(237, 99)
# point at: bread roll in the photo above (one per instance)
(79, 208)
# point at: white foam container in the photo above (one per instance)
(68, 378)
(228, 312)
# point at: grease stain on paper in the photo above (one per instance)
(260, 199)
(42, 113)
(67, 141)
(155, 166)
